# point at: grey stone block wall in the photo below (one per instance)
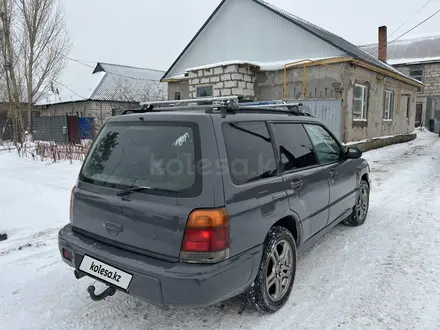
(225, 81)
(431, 92)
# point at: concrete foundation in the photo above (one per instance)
(377, 143)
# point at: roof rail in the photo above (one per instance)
(189, 101)
(220, 105)
(203, 102)
(292, 108)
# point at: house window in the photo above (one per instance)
(417, 73)
(360, 104)
(177, 96)
(388, 105)
(204, 91)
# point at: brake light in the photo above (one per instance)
(71, 203)
(207, 236)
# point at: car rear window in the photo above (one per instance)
(161, 155)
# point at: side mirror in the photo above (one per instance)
(353, 153)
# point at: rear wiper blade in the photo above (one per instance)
(142, 188)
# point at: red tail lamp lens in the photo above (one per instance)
(207, 231)
(67, 254)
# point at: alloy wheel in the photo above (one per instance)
(279, 270)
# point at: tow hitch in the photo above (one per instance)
(110, 291)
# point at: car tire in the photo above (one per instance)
(273, 284)
(360, 210)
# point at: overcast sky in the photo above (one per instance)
(152, 33)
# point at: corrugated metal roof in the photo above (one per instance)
(106, 82)
(409, 50)
(125, 83)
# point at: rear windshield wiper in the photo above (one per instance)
(142, 188)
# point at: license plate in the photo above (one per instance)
(105, 272)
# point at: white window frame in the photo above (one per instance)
(388, 104)
(364, 102)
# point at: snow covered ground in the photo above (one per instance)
(383, 275)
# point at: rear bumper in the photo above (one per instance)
(168, 283)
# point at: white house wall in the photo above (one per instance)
(245, 30)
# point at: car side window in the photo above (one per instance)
(249, 150)
(327, 148)
(295, 148)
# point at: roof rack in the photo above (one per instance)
(215, 103)
(224, 105)
(189, 101)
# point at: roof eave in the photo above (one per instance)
(366, 65)
(375, 68)
(63, 102)
(417, 63)
(98, 68)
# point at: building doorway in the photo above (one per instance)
(419, 108)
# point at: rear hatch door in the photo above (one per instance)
(139, 183)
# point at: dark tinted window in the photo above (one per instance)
(327, 149)
(250, 152)
(295, 147)
(161, 156)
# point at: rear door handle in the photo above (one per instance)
(333, 173)
(296, 184)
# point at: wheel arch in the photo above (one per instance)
(291, 222)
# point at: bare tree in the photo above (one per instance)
(34, 47)
(10, 62)
(137, 90)
(45, 46)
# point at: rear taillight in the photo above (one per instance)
(67, 254)
(71, 203)
(206, 237)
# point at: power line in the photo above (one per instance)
(80, 62)
(418, 11)
(69, 90)
(392, 33)
(403, 34)
(93, 67)
(111, 73)
(425, 20)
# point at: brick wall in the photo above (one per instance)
(430, 94)
(225, 81)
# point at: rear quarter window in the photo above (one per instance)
(249, 150)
